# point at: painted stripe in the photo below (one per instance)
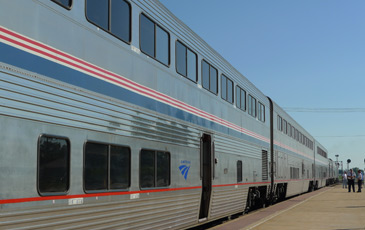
(252, 183)
(39, 49)
(64, 197)
(44, 198)
(288, 180)
(44, 51)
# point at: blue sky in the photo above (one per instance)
(303, 54)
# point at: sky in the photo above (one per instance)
(306, 55)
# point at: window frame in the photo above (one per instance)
(186, 61)
(261, 112)
(60, 4)
(239, 173)
(109, 21)
(38, 165)
(250, 100)
(155, 169)
(240, 89)
(227, 80)
(108, 168)
(285, 126)
(210, 66)
(154, 47)
(279, 123)
(289, 129)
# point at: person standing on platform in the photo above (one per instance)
(344, 180)
(351, 180)
(359, 180)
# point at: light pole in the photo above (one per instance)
(341, 166)
(338, 164)
(348, 162)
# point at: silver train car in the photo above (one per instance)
(116, 115)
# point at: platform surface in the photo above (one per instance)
(327, 208)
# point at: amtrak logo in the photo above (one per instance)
(184, 168)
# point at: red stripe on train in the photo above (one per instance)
(43, 198)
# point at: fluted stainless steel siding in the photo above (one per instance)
(162, 211)
(39, 100)
(228, 200)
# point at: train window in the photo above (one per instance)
(209, 77)
(285, 124)
(154, 169)
(280, 120)
(53, 165)
(120, 19)
(289, 129)
(163, 169)
(294, 173)
(154, 41)
(252, 106)
(186, 62)
(119, 167)
(239, 171)
(240, 98)
(96, 166)
(296, 134)
(113, 16)
(106, 167)
(226, 89)
(147, 36)
(64, 3)
(261, 112)
(162, 45)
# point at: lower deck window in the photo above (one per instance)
(53, 165)
(294, 173)
(239, 171)
(106, 167)
(154, 169)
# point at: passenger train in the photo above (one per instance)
(115, 115)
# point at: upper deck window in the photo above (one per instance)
(285, 125)
(227, 89)
(186, 62)
(261, 112)
(64, 3)
(209, 77)
(280, 123)
(154, 41)
(240, 98)
(53, 165)
(252, 106)
(113, 16)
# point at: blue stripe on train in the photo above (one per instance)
(33, 63)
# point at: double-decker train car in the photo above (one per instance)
(294, 155)
(321, 166)
(115, 115)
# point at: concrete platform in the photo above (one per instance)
(327, 208)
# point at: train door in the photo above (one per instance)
(206, 159)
